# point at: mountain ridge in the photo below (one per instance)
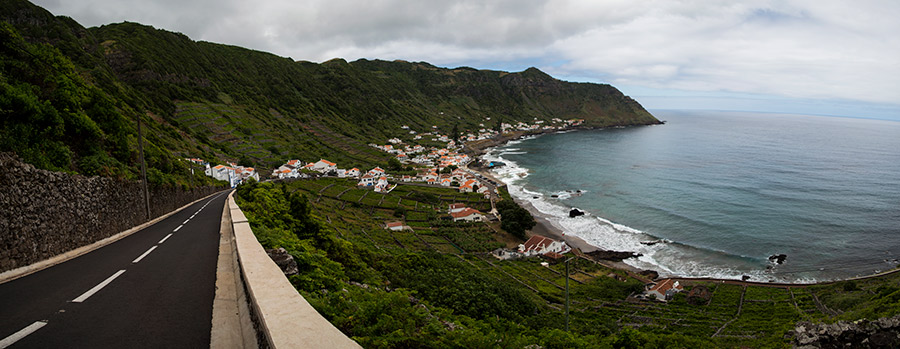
(268, 104)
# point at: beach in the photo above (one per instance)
(544, 227)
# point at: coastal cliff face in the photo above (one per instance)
(225, 102)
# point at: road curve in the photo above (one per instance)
(152, 289)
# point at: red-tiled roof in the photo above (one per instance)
(394, 224)
(666, 285)
(464, 213)
(457, 205)
(537, 242)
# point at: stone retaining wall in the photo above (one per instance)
(45, 213)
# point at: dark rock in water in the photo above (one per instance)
(777, 258)
(535, 197)
(745, 277)
(650, 243)
(554, 196)
(284, 260)
(575, 213)
(617, 256)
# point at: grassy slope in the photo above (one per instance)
(734, 316)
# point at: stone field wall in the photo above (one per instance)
(45, 213)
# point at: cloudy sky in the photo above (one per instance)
(800, 56)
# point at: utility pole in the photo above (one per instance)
(143, 169)
(567, 293)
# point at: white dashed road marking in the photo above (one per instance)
(143, 255)
(97, 288)
(15, 337)
(165, 238)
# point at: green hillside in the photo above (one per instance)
(436, 285)
(71, 97)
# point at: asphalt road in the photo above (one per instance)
(121, 295)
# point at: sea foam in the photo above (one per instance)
(666, 257)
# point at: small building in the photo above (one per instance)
(367, 180)
(467, 215)
(456, 207)
(382, 184)
(395, 226)
(538, 245)
(663, 290)
(324, 166)
(377, 172)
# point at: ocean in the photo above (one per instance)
(720, 192)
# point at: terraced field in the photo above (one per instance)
(733, 316)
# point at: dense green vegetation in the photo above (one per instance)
(71, 97)
(516, 220)
(437, 286)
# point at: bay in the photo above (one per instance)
(723, 191)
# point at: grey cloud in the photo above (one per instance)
(799, 48)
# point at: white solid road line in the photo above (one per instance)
(99, 286)
(165, 238)
(15, 337)
(179, 227)
(143, 255)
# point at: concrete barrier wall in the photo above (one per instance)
(285, 318)
(45, 214)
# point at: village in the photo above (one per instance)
(439, 167)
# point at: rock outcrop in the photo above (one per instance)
(617, 256)
(284, 260)
(881, 333)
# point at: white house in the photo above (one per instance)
(377, 172)
(456, 207)
(294, 164)
(382, 184)
(395, 226)
(282, 173)
(324, 166)
(538, 245)
(222, 172)
(367, 180)
(468, 186)
(664, 290)
(353, 172)
(467, 215)
(245, 173)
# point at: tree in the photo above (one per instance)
(454, 135)
(515, 219)
(245, 162)
(393, 165)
